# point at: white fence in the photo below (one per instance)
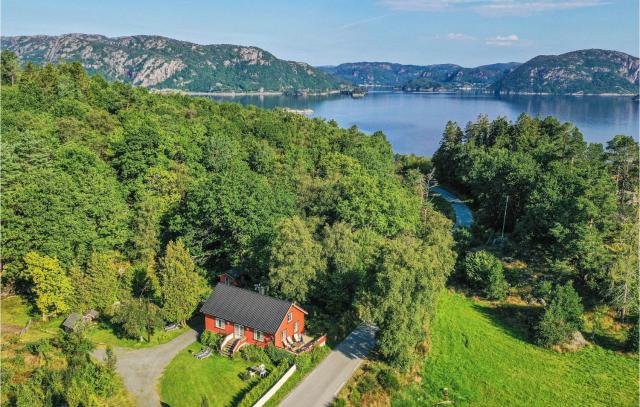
(275, 387)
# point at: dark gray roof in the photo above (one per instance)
(72, 320)
(246, 308)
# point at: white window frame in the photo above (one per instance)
(284, 336)
(296, 326)
(258, 335)
(220, 323)
(289, 316)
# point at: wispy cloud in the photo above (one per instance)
(503, 40)
(460, 37)
(368, 20)
(491, 7)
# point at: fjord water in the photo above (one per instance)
(413, 122)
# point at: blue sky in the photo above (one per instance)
(324, 32)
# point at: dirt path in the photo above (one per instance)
(141, 368)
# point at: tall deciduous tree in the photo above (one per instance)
(50, 284)
(180, 284)
(295, 259)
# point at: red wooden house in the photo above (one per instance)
(253, 318)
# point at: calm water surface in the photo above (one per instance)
(413, 123)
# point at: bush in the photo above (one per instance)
(561, 317)
(367, 383)
(278, 355)
(254, 353)
(633, 337)
(210, 339)
(388, 379)
(485, 271)
(543, 290)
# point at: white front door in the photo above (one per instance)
(238, 331)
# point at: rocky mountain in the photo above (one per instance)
(591, 71)
(165, 63)
(421, 77)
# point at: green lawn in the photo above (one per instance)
(487, 362)
(186, 380)
(16, 312)
(102, 334)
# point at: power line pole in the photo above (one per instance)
(504, 217)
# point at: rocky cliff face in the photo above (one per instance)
(160, 62)
(592, 71)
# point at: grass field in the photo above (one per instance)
(186, 380)
(102, 334)
(484, 361)
(16, 313)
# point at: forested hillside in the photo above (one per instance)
(590, 71)
(437, 77)
(159, 62)
(114, 196)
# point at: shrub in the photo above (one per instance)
(278, 355)
(561, 317)
(254, 353)
(485, 271)
(543, 290)
(211, 339)
(388, 379)
(633, 338)
(367, 383)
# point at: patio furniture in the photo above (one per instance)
(259, 370)
(171, 327)
(289, 341)
(205, 353)
(297, 337)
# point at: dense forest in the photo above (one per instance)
(131, 203)
(543, 195)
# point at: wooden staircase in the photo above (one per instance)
(227, 348)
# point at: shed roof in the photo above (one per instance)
(72, 320)
(246, 307)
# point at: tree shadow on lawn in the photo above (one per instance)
(516, 320)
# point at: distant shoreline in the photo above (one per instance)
(234, 94)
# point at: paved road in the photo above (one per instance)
(464, 217)
(141, 368)
(323, 384)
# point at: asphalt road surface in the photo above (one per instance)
(141, 368)
(322, 385)
(464, 217)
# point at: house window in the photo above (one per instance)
(295, 327)
(289, 316)
(284, 336)
(219, 323)
(258, 336)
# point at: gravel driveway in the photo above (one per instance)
(141, 368)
